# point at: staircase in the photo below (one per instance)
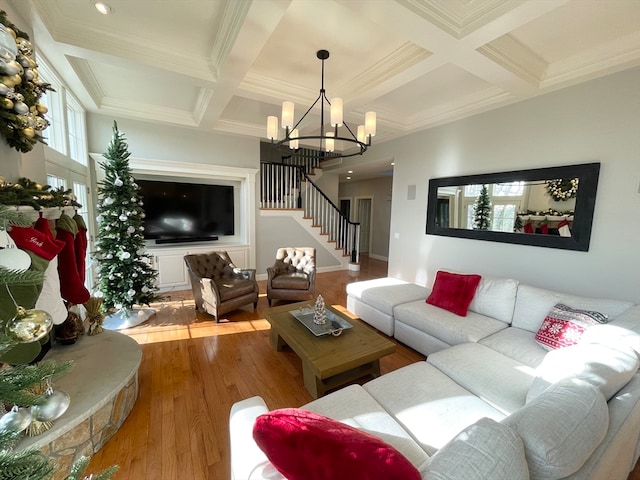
(287, 186)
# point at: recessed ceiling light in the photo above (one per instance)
(350, 171)
(103, 8)
(392, 164)
(348, 178)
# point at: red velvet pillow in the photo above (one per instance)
(454, 291)
(303, 445)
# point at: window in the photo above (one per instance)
(56, 182)
(54, 134)
(76, 130)
(505, 198)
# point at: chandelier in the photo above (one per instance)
(327, 140)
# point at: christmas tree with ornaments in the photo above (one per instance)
(125, 274)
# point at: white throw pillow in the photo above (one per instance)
(561, 428)
(607, 368)
(485, 450)
(496, 298)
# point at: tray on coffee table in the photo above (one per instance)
(334, 326)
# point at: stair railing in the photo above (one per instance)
(285, 187)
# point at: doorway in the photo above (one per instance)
(363, 216)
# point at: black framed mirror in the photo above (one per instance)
(546, 207)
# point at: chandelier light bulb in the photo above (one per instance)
(294, 139)
(330, 145)
(336, 112)
(287, 114)
(361, 136)
(272, 127)
(370, 124)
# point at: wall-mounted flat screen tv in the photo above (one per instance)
(186, 212)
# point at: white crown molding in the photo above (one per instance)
(145, 111)
(460, 19)
(233, 16)
(517, 58)
(85, 74)
(607, 58)
(398, 61)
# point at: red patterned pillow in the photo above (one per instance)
(454, 291)
(303, 445)
(564, 326)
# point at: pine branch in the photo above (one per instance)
(16, 382)
(13, 217)
(80, 466)
(28, 464)
(20, 277)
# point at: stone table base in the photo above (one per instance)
(103, 386)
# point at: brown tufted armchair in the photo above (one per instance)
(293, 276)
(218, 285)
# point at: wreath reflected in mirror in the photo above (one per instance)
(22, 119)
(562, 190)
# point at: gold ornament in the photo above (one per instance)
(37, 427)
(29, 133)
(8, 80)
(41, 108)
(6, 103)
(29, 325)
(12, 32)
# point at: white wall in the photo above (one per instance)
(594, 121)
(379, 189)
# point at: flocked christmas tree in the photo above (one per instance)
(126, 277)
(482, 211)
(21, 390)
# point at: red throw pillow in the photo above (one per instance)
(454, 291)
(563, 326)
(303, 445)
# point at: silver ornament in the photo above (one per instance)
(4, 90)
(13, 258)
(21, 108)
(15, 420)
(123, 217)
(118, 182)
(29, 325)
(56, 403)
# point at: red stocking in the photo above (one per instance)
(71, 285)
(80, 245)
(528, 228)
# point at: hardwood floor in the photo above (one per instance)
(193, 370)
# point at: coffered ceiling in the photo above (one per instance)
(225, 65)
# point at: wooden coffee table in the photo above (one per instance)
(329, 362)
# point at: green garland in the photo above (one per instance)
(32, 194)
(21, 113)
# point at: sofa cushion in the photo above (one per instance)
(607, 368)
(453, 291)
(533, 304)
(500, 381)
(446, 326)
(304, 445)
(430, 405)
(518, 344)
(622, 331)
(561, 428)
(485, 450)
(354, 406)
(495, 297)
(385, 293)
(563, 326)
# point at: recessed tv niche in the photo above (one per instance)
(186, 212)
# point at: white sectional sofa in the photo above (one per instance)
(489, 402)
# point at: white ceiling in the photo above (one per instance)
(224, 65)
